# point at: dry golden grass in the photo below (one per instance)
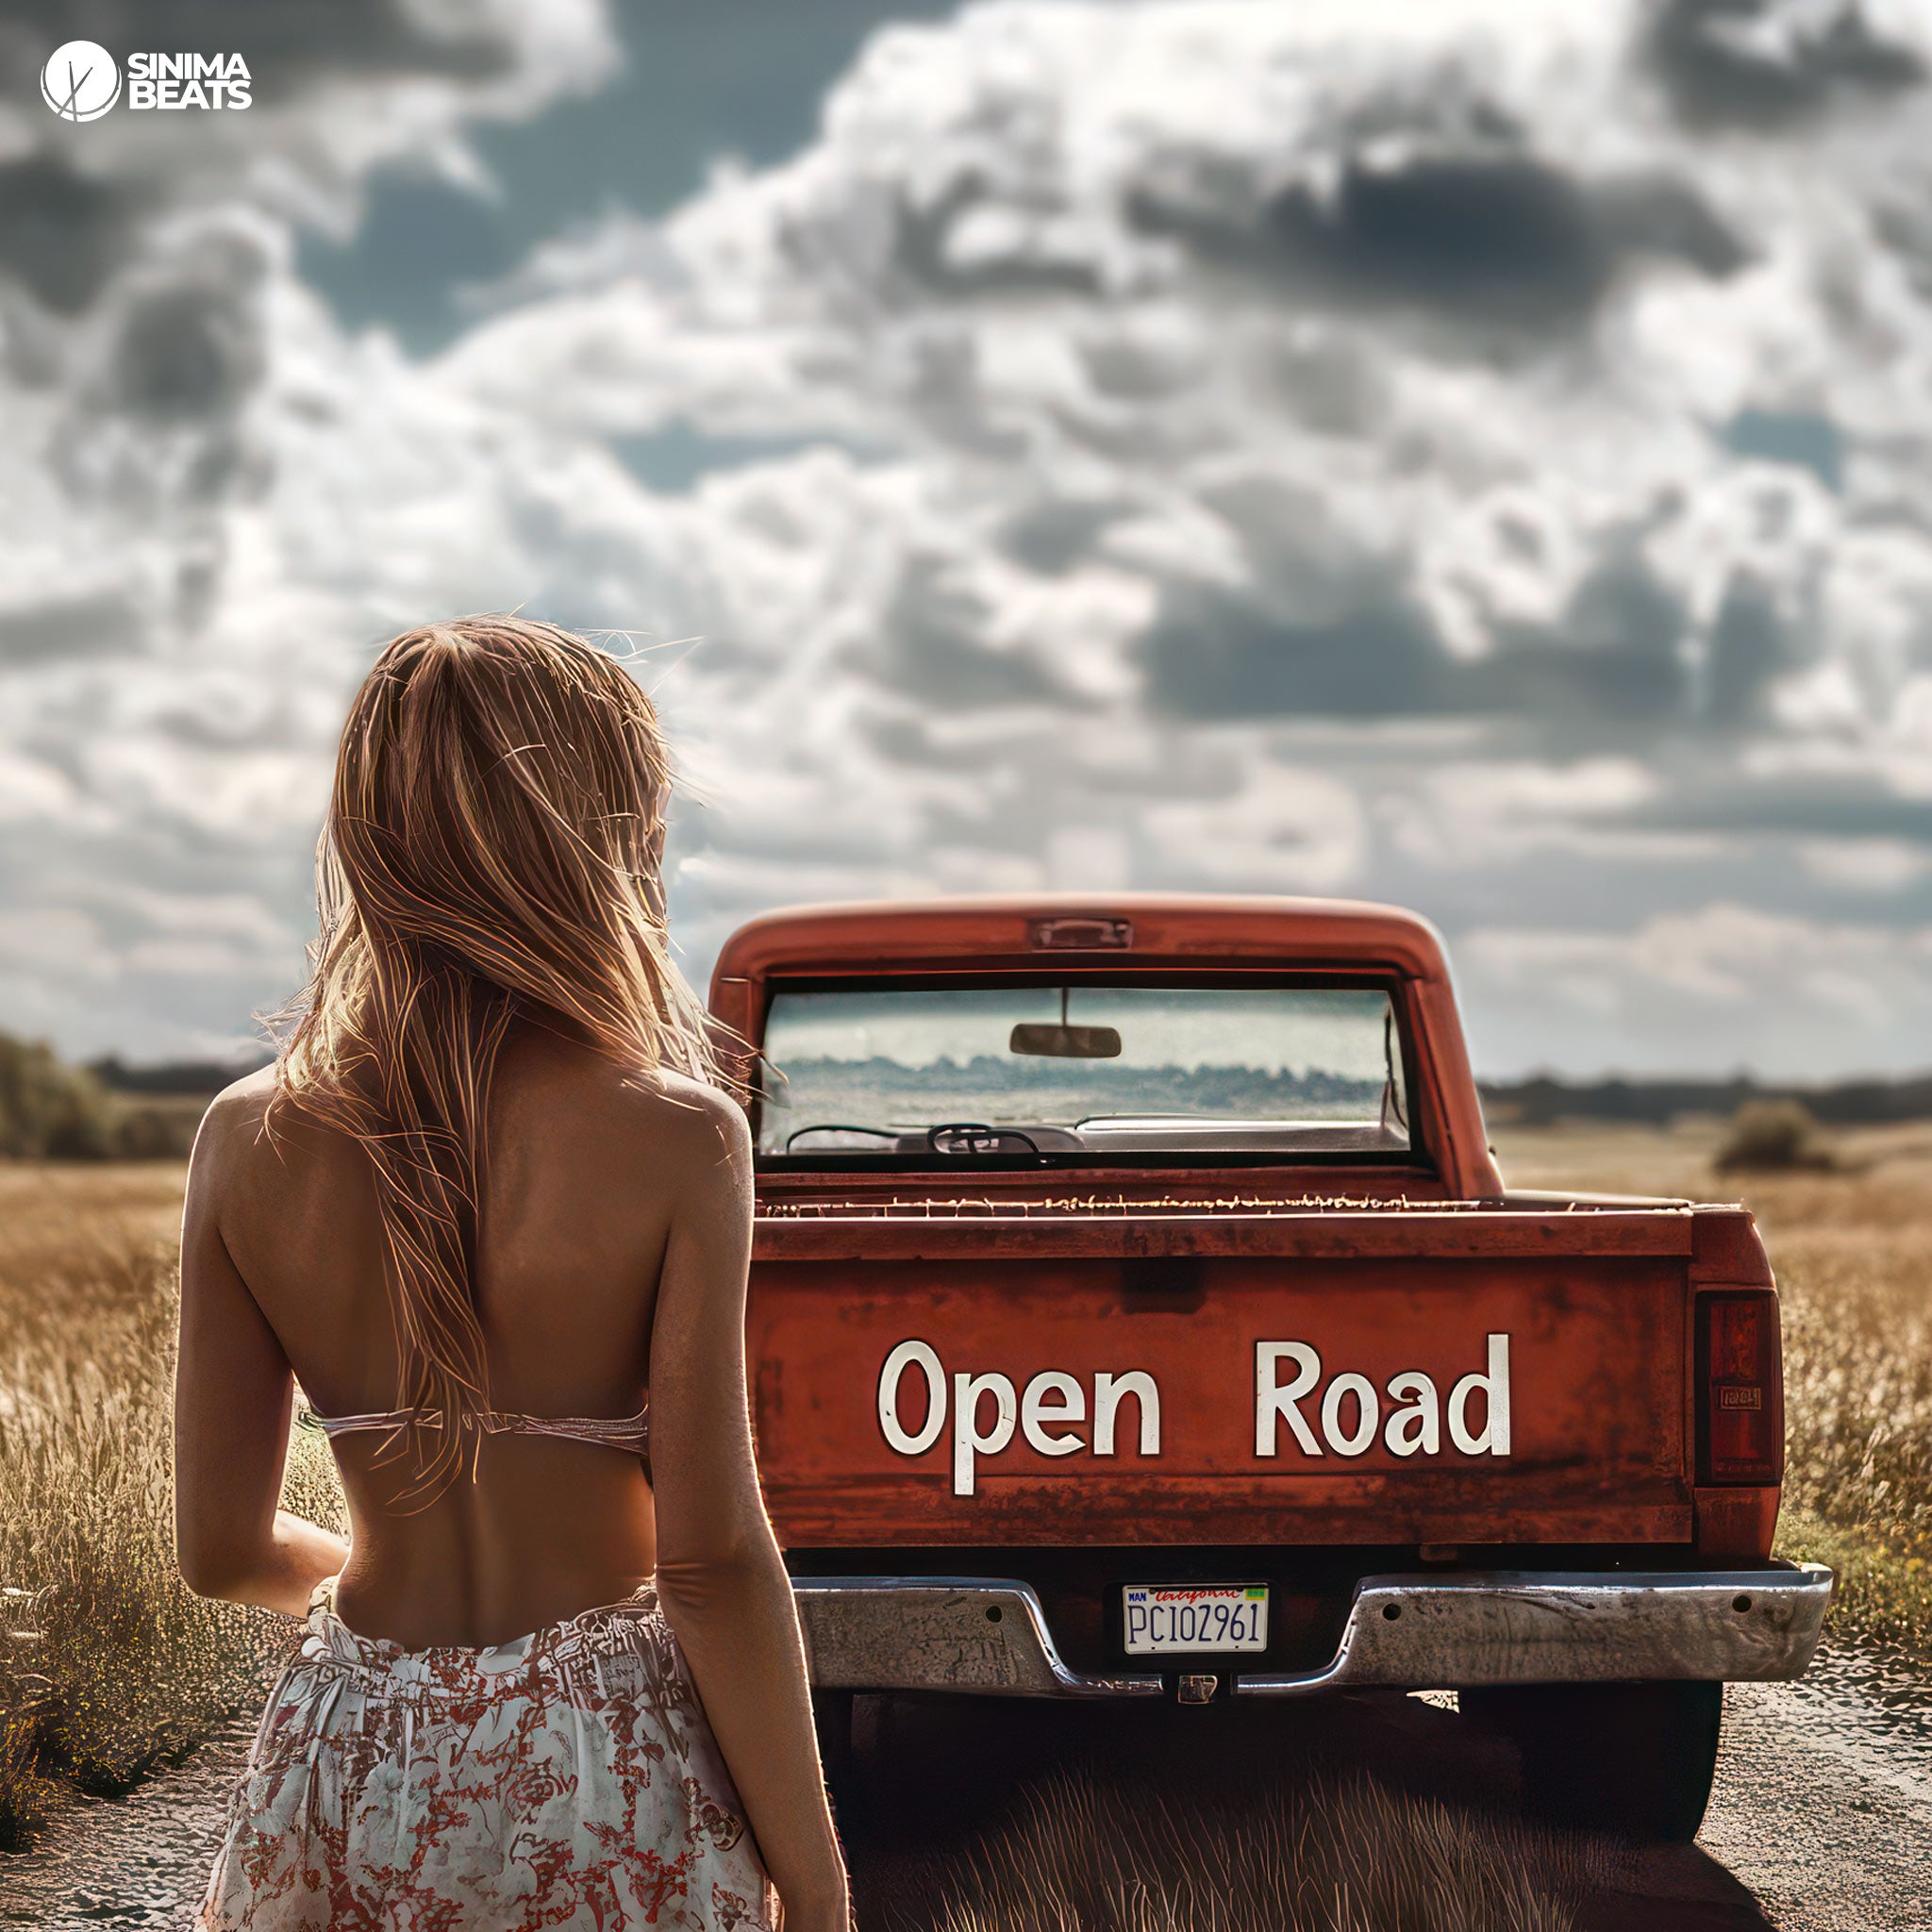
(1313, 1857)
(1852, 1253)
(1855, 1266)
(109, 1666)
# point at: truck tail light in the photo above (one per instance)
(1740, 1417)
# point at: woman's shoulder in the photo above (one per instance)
(683, 1118)
(566, 1120)
(257, 1124)
(553, 1091)
(237, 1117)
(672, 1114)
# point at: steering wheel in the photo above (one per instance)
(976, 1136)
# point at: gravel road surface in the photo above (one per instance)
(1821, 1821)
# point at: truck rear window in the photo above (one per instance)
(1082, 1070)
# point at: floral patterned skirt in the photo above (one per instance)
(566, 1778)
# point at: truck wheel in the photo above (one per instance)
(1634, 1759)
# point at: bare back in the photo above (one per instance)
(584, 1166)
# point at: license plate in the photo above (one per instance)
(1161, 1617)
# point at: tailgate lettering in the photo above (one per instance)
(1051, 1397)
(1416, 1426)
(1035, 1413)
(1107, 1391)
(1368, 1412)
(1051, 1410)
(967, 1440)
(1419, 1424)
(1274, 1402)
(1495, 1388)
(902, 1358)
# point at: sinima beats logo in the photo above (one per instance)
(81, 81)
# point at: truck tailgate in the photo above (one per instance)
(1472, 1376)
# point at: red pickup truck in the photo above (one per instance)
(1137, 1311)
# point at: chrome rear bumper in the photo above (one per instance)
(989, 1636)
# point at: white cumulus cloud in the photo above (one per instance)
(1471, 454)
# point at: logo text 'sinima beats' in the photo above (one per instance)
(81, 82)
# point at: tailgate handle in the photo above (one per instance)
(1162, 1284)
(1081, 935)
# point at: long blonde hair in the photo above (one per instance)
(492, 851)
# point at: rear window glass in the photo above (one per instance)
(1082, 1070)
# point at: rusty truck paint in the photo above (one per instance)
(1185, 1272)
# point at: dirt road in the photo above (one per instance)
(1824, 1803)
(1821, 1822)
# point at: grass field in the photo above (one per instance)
(1313, 1855)
(1853, 1251)
(109, 1666)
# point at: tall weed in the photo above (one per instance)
(1349, 1855)
(110, 1666)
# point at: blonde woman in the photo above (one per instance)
(489, 1196)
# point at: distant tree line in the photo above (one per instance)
(1534, 1102)
(108, 1110)
(871, 1090)
(50, 1110)
(1537, 1101)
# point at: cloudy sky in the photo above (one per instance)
(1472, 452)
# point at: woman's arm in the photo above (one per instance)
(233, 1392)
(720, 1576)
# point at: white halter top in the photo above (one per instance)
(631, 1433)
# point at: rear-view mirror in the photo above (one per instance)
(1065, 1043)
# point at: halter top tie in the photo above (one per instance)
(631, 1433)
